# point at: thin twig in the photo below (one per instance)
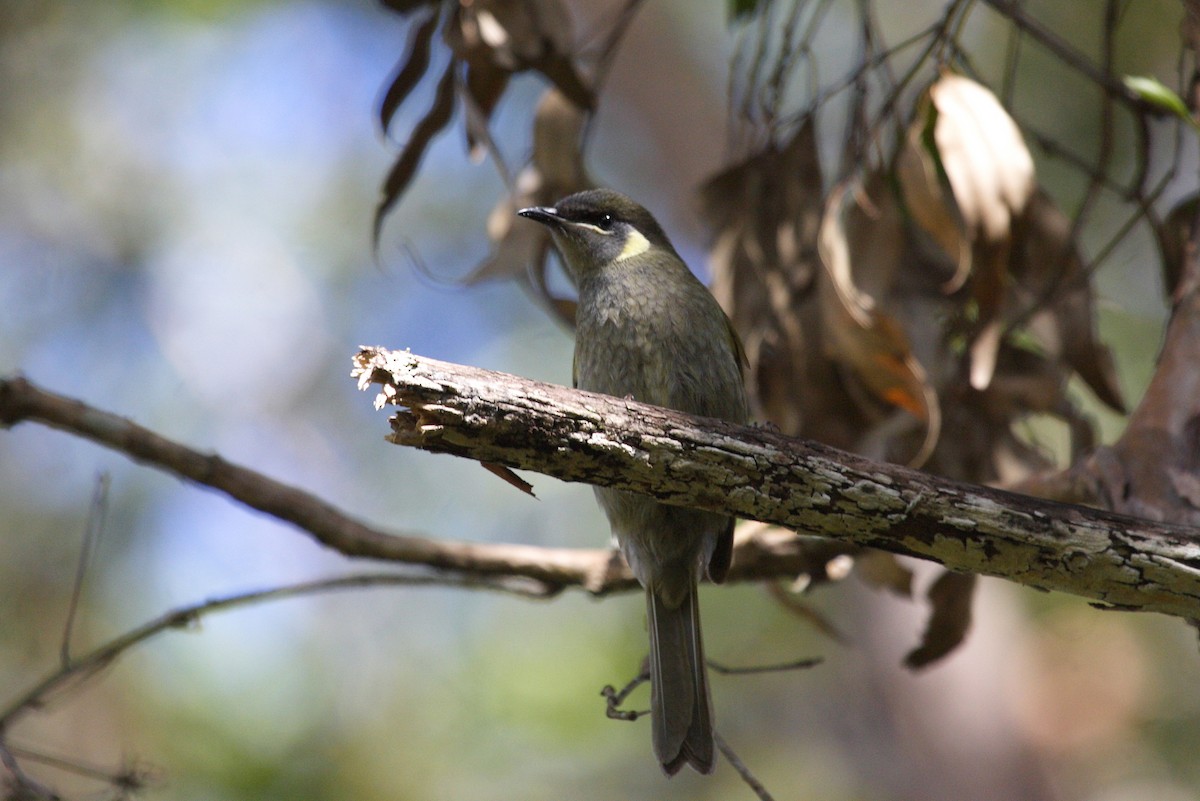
(749, 778)
(1104, 154)
(938, 37)
(184, 617)
(29, 788)
(881, 58)
(1064, 51)
(91, 535)
(128, 779)
(1012, 58)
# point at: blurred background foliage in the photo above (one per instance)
(186, 194)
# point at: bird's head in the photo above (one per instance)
(599, 228)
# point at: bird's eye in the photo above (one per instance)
(605, 222)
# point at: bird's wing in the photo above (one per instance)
(739, 352)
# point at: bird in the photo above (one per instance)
(647, 328)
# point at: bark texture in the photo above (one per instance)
(756, 473)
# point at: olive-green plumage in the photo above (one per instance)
(647, 328)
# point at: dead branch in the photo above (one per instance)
(752, 472)
(762, 554)
(1065, 52)
(71, 672)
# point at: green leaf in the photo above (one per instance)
(1154, 92)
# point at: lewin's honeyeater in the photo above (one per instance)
(647, 328)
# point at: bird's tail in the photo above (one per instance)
(680, 709)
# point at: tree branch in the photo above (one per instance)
(71, 671)
(755, 473)
(760, 554)
(1065, 52)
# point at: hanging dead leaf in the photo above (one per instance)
(764, 212)
(521, 253)
(767, 209)
(509, 477)
(990, 173)
(489, 41)
(483, 90)
(501, 37)
(806, 612)
(1186, 485)
(558, 125)
(858, 334)
(565, 309)
(555, 170)
(984, 446)
(1029, 383)
(927, 200)
(884, 571)
(1026, 383)
(1049, 275)
(983, 154)
(949, 620)
(988, 291)
(413, 68)
(405, 168)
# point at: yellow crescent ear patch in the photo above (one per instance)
(635, 245)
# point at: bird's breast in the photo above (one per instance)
(665, 345)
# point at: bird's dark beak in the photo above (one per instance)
(546, 215)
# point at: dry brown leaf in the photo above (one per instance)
(858, 334)
(487, 71)
(988, 290)
(1047, 269)
(983, 154)
(1186, 485)
(522, 31)
(509, 477)
(499, 37)
(884, 571)
(949, 620)
(876, 237)
(929, 202)
(764, 212)
(1025, 382)
(565, 309)
(405, 168)
(990, 173)
(557, 142)
(806, 612)
(412, 69)
(489, 41)
(519, 249)
(766, 209)
(484, 88)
